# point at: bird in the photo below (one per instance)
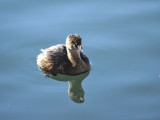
(67, 59)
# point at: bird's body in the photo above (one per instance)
(64, 59)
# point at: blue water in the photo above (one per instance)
(121, 39)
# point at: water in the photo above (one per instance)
(120, 37)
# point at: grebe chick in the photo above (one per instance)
(64, 59)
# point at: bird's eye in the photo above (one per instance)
(72, 42)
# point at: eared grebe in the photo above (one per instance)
(64, 59)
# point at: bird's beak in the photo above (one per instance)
(80, 47)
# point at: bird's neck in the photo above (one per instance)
(74, 57)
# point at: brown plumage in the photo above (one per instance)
(69, 59)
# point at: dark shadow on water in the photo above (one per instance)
(75, 89)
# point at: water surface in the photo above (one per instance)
(120, 37)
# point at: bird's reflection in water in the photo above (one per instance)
(75, 89)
